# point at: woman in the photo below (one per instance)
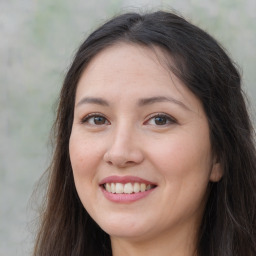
(154, 147)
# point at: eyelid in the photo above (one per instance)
(87, 117)
(151, 116)
(161, 114)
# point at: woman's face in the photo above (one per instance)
(139, 146)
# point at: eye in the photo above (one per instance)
(161, 120)
(95, 119)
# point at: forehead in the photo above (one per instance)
(126, 62)
(120, 56)
(131, 69)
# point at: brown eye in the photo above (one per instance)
(95, 120)
(99, 120)
(161, 119)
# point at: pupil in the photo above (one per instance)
(99, 120)
(160, 120)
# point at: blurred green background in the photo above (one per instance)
(38, 39)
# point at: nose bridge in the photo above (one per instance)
(123, 148)
(123, 135)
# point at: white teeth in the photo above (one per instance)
(136, 187)
(108, 187)
(142, 187)
(119, 188)
(113, 188)
(127, 188)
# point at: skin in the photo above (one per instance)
(175, 153)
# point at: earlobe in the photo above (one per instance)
(216, 172)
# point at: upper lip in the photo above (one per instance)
(125, 179)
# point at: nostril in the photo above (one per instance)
(109, 162)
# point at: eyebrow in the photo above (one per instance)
(92, 100)
(157, 99)
(141, 102)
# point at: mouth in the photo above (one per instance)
(126, 185)
(127, 188)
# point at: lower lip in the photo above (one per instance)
(125, 198)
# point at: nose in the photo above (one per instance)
(124, 149)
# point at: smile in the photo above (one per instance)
(127, 188)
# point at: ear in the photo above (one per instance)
(216, 172)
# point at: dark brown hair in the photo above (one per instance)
(229, 223)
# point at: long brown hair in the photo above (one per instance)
(229, 223)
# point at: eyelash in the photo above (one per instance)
(167, 118)
(93, 115)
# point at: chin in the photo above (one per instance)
(125, 229)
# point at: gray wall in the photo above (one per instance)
(37, 42)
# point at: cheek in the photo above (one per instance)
(77, 151)
(84, 160)
(185, 164)
(181, 157)
(83, 154)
